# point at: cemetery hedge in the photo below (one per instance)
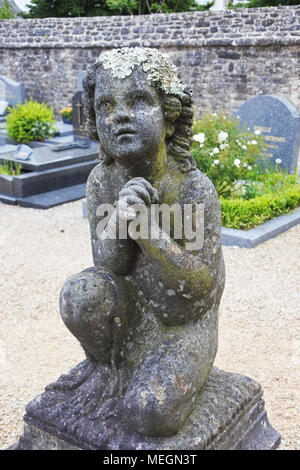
(246, 214)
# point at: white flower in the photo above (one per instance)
(278, 161)
(199, 137)
(244, 147)
(216, 162)
(201, 145)
(216, 150)
(257, 132)
(245, 165)
(214, 114)
(237, 162)
(224, 146)
(253, 142)
(249, 167)
(222, 137)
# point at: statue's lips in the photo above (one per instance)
(125, 131)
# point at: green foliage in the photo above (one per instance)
(6, 11)
(275, 194)
(262, 3)
(66, 112)
(10, 168)
(73, 8)
(243, 214)
(226, 153)
(30, 121)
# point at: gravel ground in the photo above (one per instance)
(258, 315)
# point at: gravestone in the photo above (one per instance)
(11, 93)
(3, 102)
(78, 117)
(80, 77)
(279, 122)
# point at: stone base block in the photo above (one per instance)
(229, 414)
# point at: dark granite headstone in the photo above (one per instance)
(11, 93)
(79, 130)
(279, 122)
(80, 77)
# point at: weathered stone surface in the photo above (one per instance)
(148, 310)
(56, 57)
(229, 414)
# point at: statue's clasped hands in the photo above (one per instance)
(137, 192)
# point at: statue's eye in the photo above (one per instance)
(105, 107)
(140, 99)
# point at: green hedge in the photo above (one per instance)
(245, 214)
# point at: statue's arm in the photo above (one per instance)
(113, 254)
(200, 267)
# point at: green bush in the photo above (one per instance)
(245, 214)
(10, 168)
(225, 152)
(30, 121)
(6, 11)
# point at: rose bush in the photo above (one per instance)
(225, 152)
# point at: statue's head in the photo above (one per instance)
(136, 104)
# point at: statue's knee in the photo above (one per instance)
(89, 304)
(74, 299)
(84, 297)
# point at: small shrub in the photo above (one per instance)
(226, 153)
(10, 168)
(30, 121)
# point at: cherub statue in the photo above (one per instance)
(147, 313)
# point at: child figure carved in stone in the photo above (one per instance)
(147, 313)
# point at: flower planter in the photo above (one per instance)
(67, 120)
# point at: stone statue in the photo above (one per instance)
(147, 313)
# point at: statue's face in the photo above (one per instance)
(129, 118)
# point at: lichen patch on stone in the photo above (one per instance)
(162, 74)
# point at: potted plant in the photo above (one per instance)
(66, 114)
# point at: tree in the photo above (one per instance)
(73, 8)
(6, 11)
(263, 3)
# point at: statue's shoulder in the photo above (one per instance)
(98, 175)
(199, 188)
(99, 179)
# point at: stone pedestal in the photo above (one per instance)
(229, 414)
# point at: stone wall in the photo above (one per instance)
(226, 57)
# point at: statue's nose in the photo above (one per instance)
(122, 113)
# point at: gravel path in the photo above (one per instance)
(259, 334)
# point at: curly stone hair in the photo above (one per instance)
(178, 114)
